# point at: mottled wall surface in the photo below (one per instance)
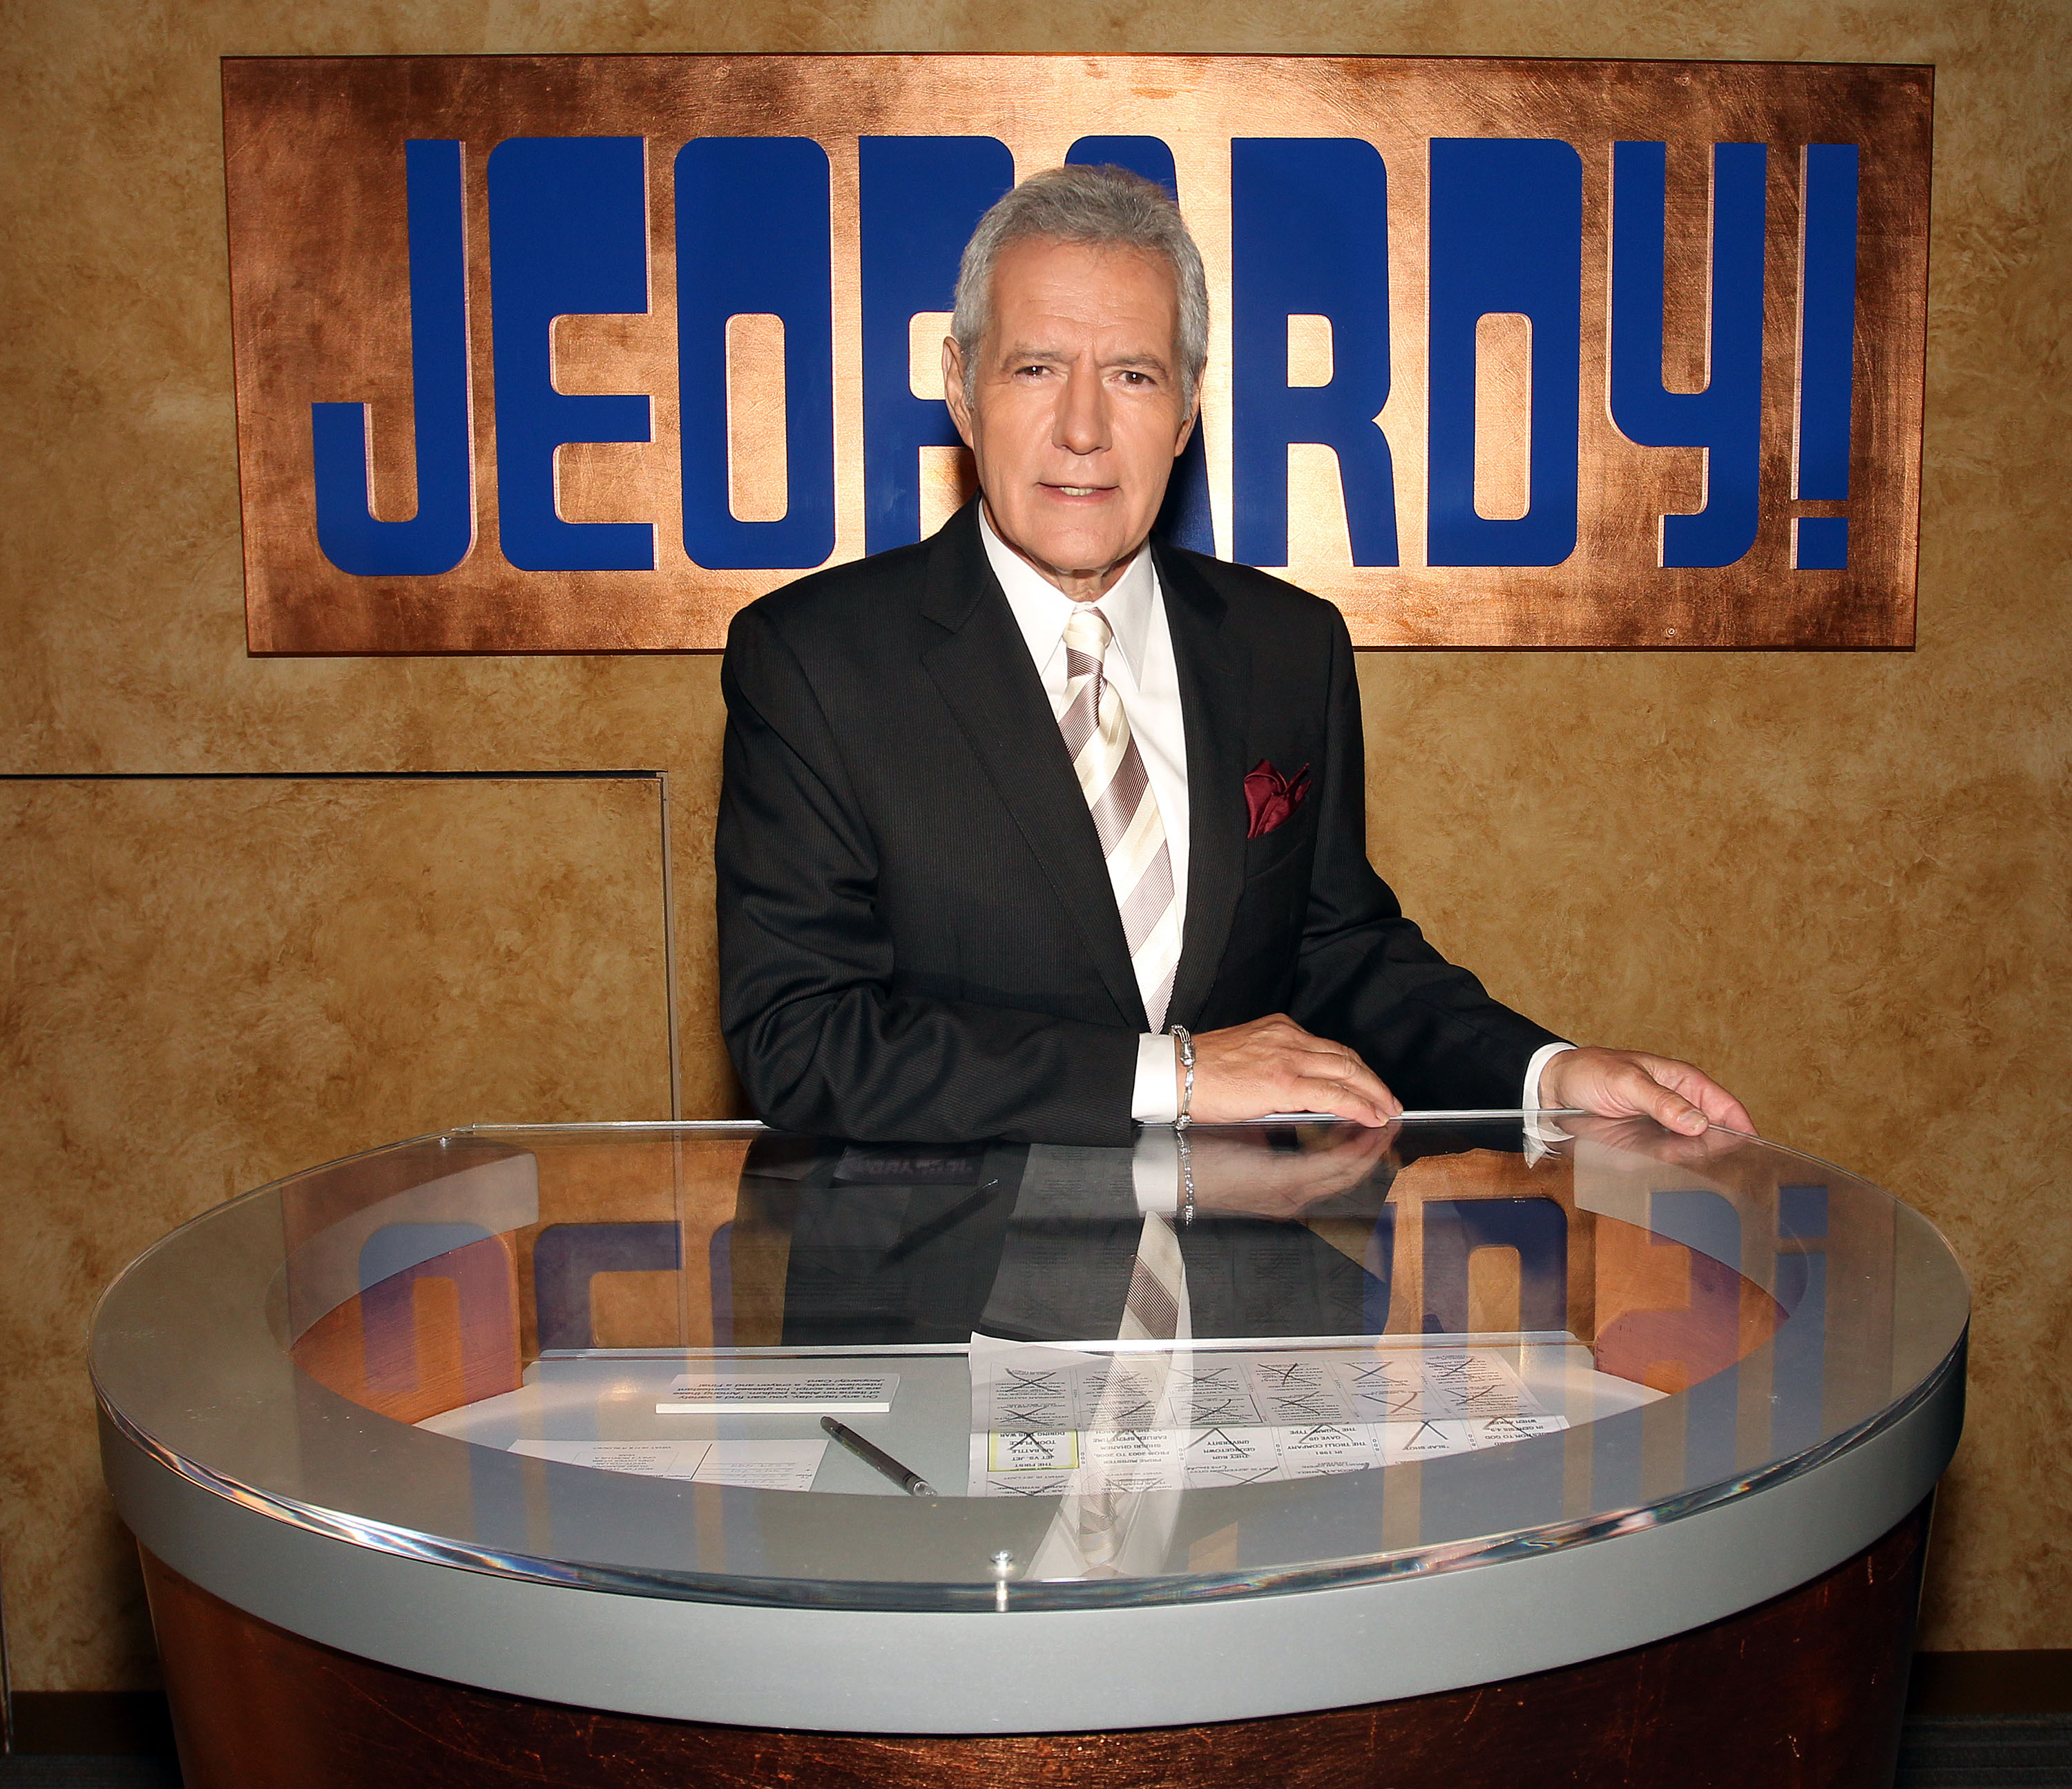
(213, 981)
(1842, 880)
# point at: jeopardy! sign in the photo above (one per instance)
(582, 353)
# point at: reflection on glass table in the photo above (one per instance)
(602, 1354)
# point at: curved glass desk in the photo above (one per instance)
(540, 1409)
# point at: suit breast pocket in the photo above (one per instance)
(1288, 840)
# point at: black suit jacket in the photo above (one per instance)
(918, 939)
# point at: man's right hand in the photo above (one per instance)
(1273, 1065)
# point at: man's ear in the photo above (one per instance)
(954, 394)
(1187, 428)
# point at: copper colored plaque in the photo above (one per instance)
(1715, 273)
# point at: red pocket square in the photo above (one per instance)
(1273, 797)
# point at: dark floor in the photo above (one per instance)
(1977, 1752)
(1987, 1752)
(56, 1771)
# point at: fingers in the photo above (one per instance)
(1645, 1086)
(1618, 1083)
(1334, 1066)
(1735, 1117)
(1668, 1107)
(1344, 1100)
(1345, 1082)
(1721, 1106)
(1337, 1076)
(1696, 1092)
(1273, 1065)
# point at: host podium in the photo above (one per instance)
(1478, 1449)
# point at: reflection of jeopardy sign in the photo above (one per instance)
(582, 353)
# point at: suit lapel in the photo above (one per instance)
(983, 669)
(1214, 698)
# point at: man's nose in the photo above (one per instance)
(1082, 418)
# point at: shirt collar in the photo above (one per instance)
(1042, 609)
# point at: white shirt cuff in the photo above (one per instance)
(1539, 1132)
(1530, 1102)
(1157, 1098)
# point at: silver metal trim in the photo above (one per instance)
(1033, 1670)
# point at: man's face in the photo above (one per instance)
(1072, 406)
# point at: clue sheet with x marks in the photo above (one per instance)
(1047, 1419)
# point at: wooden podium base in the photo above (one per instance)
(1803, 1691)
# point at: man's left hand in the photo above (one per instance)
(1631, 1083)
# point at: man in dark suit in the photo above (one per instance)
(1017, 819)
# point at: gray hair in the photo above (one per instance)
(1107, 207)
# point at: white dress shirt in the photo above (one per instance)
(1141, 671)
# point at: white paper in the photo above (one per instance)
(1053, 1422)
(1220, 1393)
(1218, 1456)
(1423, 1441)
(651, 1459)
(1136, 1459)
(1434, 1382)
(762, 1466)
(1292, 1388)
(1495, 1431)
(1018, 1450)
(1034, 1397)
(766, 1466)
(1329, 1447)
(779, 1394)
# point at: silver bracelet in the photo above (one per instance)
(1187, 1176)
(1185, 1040)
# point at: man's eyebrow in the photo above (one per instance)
(1025, 352)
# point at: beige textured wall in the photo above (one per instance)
(212, 982)
(1842, 880)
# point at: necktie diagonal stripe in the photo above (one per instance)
(1119, 796)
(1101, 1531)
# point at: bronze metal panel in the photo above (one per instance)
(318, 239)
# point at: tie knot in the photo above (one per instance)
(1088, 631)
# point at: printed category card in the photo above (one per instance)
(759, 1465)
(1046, 1420)
(779, 1394)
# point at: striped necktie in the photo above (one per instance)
(1133, 838)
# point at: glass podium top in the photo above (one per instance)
(718, 1363)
